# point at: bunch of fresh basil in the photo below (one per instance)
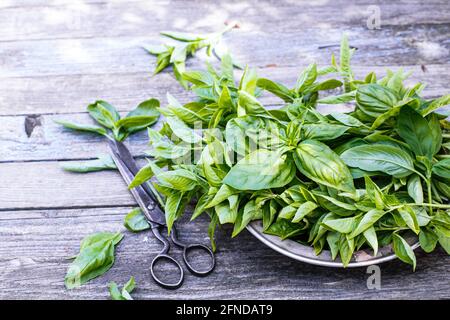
(341, 181)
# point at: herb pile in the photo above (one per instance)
(338, 182)
(342, 181)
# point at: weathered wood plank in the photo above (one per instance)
(36, 95)
(396, 45)
(46, 185)
(117, 18)
(36, 244)
(50, 141)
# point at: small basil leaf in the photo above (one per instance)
(135, 221)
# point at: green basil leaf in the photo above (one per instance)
(346, 119)
(114, 291)
(182, 130)
(145, 115)
(442, 168)
(284, 229)
(372, 239)
(436, 104)
(343, 225)
(243, 218)
(104, 113)
(345, 57)
(416, 132)
(415, 190)
(323, 131)
(261, 169)
(304, 209)
(135, 221)
(379, 157)
(443, 238)
(366, 222)
(374, 193)
(403, 250)
(103, 162)
(82, 127)
(320, 164)
(144, 174)
(342, 98)
(126, 290)
(224, 192)
(374, 100)
(333, 243)
(276, 88)
(173, 208)
(95, 258)
(428, 240)
(306, 78)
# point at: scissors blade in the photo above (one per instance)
(146, 202)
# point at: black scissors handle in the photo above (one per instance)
(187, 248)
(164, 256)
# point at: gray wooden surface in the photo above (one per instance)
(58, 56)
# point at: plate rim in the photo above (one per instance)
(281, 246)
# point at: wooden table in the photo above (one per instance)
(58, 56)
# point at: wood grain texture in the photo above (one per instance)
(36, 95)
(36, 245)
(117, 18)
(57, 56)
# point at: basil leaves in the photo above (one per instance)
(95, 258)
(341, 182)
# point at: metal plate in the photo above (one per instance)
(306, 254)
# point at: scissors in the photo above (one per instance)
(148, 202)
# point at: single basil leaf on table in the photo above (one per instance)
(378, 157)
(319, 163)
(103, 162)
(135, 221)
(116, 294)
(96, 256)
